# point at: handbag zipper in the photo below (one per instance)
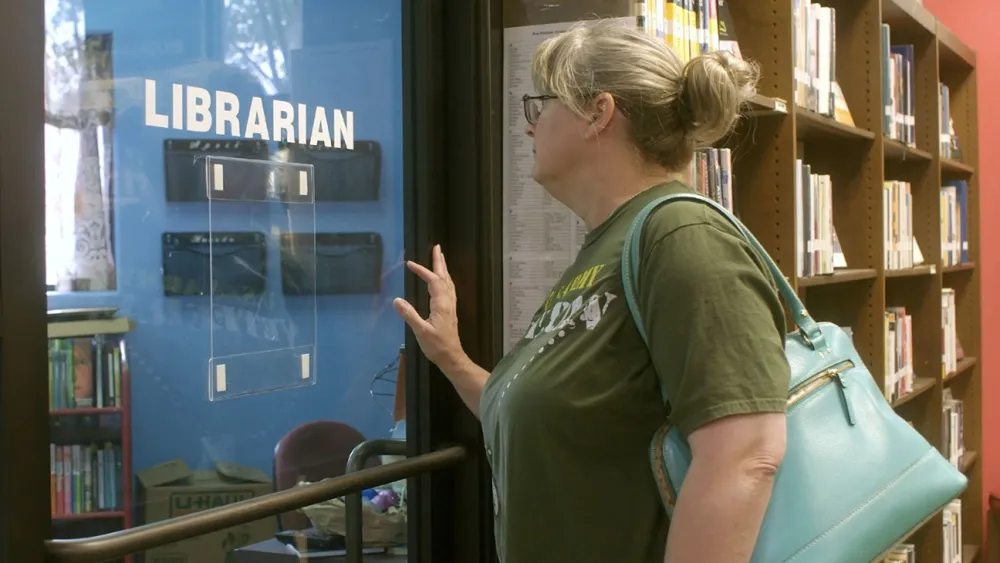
(831, 374)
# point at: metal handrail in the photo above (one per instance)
(115, 545)
(354, 513)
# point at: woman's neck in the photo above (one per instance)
(595, 200)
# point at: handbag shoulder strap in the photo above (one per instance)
(808, 328)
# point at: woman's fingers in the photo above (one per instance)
(410, 315)
(444, 269)
(437, 260)
(437, 280)
(422, 272)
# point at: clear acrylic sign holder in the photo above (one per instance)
(261, 339)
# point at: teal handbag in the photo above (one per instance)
(856, 478)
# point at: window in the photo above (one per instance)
(78, 121)
(259, 36)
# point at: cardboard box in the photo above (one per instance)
(172, 489)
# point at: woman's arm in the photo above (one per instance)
(468, 379)
(726, 491)
(438, 333)
(716, 330)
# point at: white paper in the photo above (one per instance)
(541, 237)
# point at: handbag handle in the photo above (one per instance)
(808, 328)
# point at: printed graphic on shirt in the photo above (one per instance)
(576, 305)
(569, 306)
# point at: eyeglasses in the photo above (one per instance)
(533, 107)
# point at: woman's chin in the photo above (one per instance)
(538, 174)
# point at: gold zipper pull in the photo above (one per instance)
(842, 385)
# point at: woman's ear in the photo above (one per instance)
(603, 110)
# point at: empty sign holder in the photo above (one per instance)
(267, 343)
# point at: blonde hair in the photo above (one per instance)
(672, 108)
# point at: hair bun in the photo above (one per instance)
(714, 87)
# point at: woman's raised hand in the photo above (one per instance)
(438, 333)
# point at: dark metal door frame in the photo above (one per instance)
(454, 64)
(452, 160)
(24, 519)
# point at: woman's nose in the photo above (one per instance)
(529, 129)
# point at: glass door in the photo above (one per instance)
(231, 188)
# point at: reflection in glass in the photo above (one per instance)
(224, 221)
(78, 151)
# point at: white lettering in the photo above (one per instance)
(531, 329)
(564, 315)
(592, 314)
(192, 109)
(177, 111)
(343, 129)
(284, 122)
(227, 105)
(610, 297)
(302, 119)
(154, 119)
(320, 128)
(199, 110)
(560, 312)
(257, 123)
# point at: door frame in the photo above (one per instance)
(24, 398)
(451, 78)
(454, 89)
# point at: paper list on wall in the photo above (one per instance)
(541, 236)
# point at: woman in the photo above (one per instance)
(569, 413)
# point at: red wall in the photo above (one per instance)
(974, 21)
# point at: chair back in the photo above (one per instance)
(311, 452)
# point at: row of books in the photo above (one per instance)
(899, 345)
(816, 244)
(85, 478)
(952, 529)
(901, 249)
(949, 332)
(814, 52)
(85, 372)
(898, 93)
(954, 223)
(898, 90)
(689, 27)
(711, 173)
(898, 353)
(818, 248)
(954, 423)
(948, 145)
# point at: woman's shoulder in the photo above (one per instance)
(687, 215)
(693, 237)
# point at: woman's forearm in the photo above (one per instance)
(719, 512)
(468, 380)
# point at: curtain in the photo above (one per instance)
(93, 257)
(79, 109)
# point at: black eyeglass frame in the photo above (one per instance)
(527, 98)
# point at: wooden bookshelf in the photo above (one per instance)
(859, 157)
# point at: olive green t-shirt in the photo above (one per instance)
(569, 413)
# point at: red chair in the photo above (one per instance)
(311, 452)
